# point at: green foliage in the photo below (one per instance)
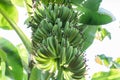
(117, 60)
(108, 61)
(14, 66)
(3, 55)
(114, 66)
(95, 18)
(76, 2)
(37, 74)
(102, 33)
(18, 2)
(2, 70)
(113, 74)
(93, 15)
(23, 56)
(87, 4)
(7, 7)
(89, 34)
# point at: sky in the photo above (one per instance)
(108, 47)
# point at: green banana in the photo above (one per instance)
(69, 54)
(78, 68)
(81, 70)
(63, 57)
(56, 10)
(41, 60)
(48, 16)
(73, 16)
(77, 40)
(48, 27)
(63, 42)
(53, 54)
(43, 31)
(67, 75)
(66, 30)
(77, 64)
(55, 30)
(79, 73)
(73, 59)
(52, 14)
(46, 66)
(46, 52)
(41, 55)
(65, 14)
(58, 21)
(40, 33)
(56, 44)
(73, 34)
(51, 47)
(50, 43)
(41, 12)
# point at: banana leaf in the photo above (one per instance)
(14, 68)
(8, 8)
(113, 74)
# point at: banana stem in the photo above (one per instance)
(3, 67)
(59, 76)
(48, 78)
(20, 33)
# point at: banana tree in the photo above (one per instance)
(62, 30)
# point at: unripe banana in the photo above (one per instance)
(56, 39)
(63, 56)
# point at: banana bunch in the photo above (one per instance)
(70, 59)
(57, 40)
(46, 55)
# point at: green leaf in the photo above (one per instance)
(23, 37)
(21, 2)
(102, 33)
(89, 35)
(96, 18)
(77, 2)
(3, 55)
(92, 5)
(18, 2)
(98, 60)
(24, 59)
(2, 69)
(106, 60)
(37, 74)
(14, 65)
(113, 74)
(7, 7)
(117, 60)
(115, 64)
(23, 55)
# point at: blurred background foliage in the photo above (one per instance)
(113, 65)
